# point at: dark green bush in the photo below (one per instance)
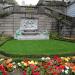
(54, 35)
(4, 14)
(4, 40)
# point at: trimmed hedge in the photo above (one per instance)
(33, 56)
(63, 39)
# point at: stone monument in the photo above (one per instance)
(29, 30)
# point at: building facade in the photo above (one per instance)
(50, 16)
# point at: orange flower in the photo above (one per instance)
(10, 65)
(73, 69)
(68, 64)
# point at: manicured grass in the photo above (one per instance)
(30, 47)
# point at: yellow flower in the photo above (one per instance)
(66, 59)
(22, 62)
(25, 64)
(29, 62)
(36, 62)
(32, 62)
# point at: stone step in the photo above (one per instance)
(32, 37)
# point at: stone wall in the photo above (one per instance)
(11, 23)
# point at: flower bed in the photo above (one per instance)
(46, 66)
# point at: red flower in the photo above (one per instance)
(50, 69)
(55, 57)
(3, 69)
(4, 73)
(55, 73)
(59, 60)
(46, 66)
(32, 65)
(49, 63)
(56, 67)
(24, 72)
(36, 67)
(62, 67)
(36, 73)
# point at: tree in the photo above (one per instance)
(10, 1)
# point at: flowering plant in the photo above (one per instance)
(22, 65)
(46, 66)
(10, 67)
(54, 66)
(2, 70)
(29, 67)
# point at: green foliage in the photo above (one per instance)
(10, 69)
(28, 71)
(42, 71)
(1, 73)
(4, 14)
(4, 39)
(18, 59)
(54, 35)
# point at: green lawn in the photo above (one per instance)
(38, 47)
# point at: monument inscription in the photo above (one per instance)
(29, 24)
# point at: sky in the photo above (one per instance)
(30, 2)
(27, 2)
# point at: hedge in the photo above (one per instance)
(33, 56)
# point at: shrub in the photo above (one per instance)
(54, 35)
